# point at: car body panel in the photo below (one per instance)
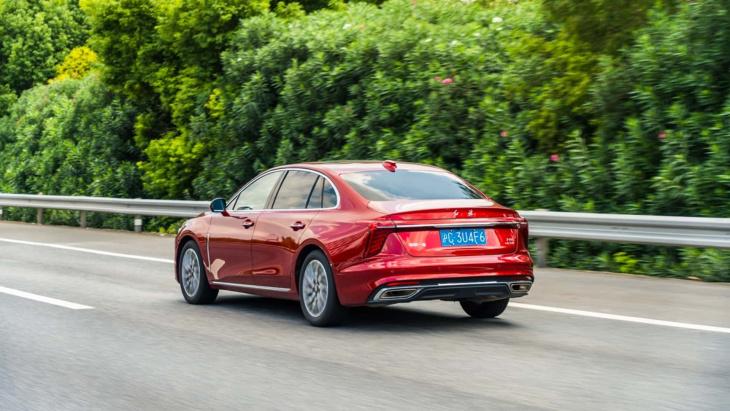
(275, 243)
(229, 245)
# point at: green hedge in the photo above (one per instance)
(521, 98)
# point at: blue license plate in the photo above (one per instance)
(463, 236)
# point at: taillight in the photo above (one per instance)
(379, 232)
(524, 234)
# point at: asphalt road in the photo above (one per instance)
(142, 347)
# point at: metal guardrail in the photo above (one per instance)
(544, 225)
(698, 232)
(135, 207)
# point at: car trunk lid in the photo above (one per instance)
(435, 228)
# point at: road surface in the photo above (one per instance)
(100, 324)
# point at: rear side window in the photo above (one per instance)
(315, 200)
(409, 185)
(329, 196)
(295, 190)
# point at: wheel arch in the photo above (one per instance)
(303, 253)
(180, 245)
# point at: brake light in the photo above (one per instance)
(379, 232)
(390, 165)
(524, 234)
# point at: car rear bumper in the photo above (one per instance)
(485, 289)
(448, 278)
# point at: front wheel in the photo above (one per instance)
(489, 309)
(191, 273)
(317, 292)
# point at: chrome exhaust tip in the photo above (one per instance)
(520, 287)
(398, 294)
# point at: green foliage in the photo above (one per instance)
(35, 36)
(79, 62)
(70, 137)
(600, 25)
(7, 99)
(589, 105)
(167, 65)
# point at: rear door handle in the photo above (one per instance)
(247, 223)
(297, 226)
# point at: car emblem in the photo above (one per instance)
(456, 213)
(471, 213)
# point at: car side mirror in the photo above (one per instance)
(218, 205)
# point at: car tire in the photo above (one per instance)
(191, 274)
(489, 309)
(318, 293)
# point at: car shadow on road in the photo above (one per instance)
(390, 318)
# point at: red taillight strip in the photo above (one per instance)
(500, 224)
(397, 283)
(377, 240)
(379, 232)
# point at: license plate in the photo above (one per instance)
(463, 236)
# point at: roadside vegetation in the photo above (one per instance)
(610, 106)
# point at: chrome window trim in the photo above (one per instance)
(337, 191)
(252, 287)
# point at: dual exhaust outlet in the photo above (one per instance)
(406, 293)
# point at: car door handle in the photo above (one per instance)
(297, 226)
(247, 223)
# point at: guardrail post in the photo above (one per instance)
(1, 213)
(543, 248)
(138, 224)
(82, 219)
(40, 216)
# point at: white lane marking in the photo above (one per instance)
(518, 305)
(622, 318)
(88, 250)
(43, 299)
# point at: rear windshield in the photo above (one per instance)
(409, 185)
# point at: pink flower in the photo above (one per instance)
(73, 74)
(16, 122)
(503, 134)
(662, 135)
(437, 78)
(447, 81)
(554, 157)
(413, 3)
(362, 27)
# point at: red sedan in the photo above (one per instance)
(337, 235)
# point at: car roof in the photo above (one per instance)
(340, 167)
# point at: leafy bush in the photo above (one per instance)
(582, 105)
(70, 137)
(35, 35)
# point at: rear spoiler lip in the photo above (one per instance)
(447, 226)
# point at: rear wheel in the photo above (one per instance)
(317, 292)
(489, 309)
(191, 273)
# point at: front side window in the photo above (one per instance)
(295, 190)
(409, 185)
(254, 196)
